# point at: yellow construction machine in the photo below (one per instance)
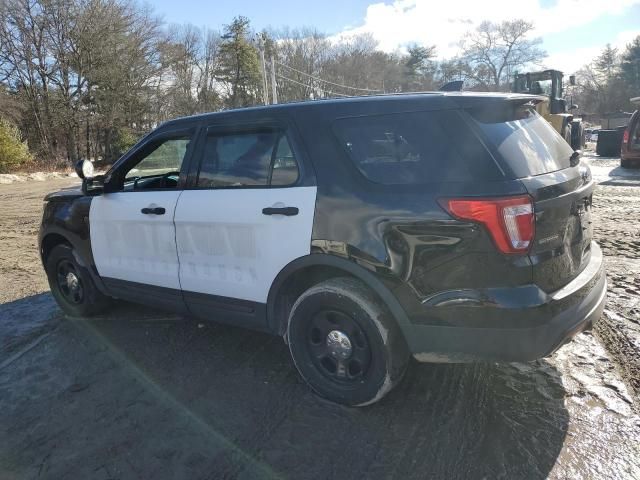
(555, 110)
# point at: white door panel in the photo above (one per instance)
(228, 247)
(130, 245)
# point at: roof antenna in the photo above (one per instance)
(454, 86)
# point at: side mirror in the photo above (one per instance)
(572, 80)
(91, 185)
(84, 169)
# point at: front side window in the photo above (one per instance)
(261, 158)
(159, 166)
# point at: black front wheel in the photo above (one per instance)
(345, 344)
(72, 285)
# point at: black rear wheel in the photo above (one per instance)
(339, 347)
(577, 135)
(345, 344)
(71, 284)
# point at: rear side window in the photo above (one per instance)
(523, 140)
(414, 148)
(260, 158)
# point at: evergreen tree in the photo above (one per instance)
(606, 64)
(238, 66)
(630, 67)
(13, 151)
(419, 68)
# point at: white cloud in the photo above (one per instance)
(571, 60)
(426, 22)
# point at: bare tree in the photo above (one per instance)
(302, 57)
(495, 51)
(26, 66)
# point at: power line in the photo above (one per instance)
(327, 81)
(307, 86)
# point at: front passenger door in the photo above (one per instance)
(132, 230)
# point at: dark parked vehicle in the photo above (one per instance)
(610, 142)
(450, 227)
(630, 151)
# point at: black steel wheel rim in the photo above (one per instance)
(69, 282)
(327, 325)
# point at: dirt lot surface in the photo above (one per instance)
(141, 394)
(617, 230)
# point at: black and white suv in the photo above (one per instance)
(449, 227)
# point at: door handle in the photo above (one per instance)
(153, 211)
(288, 211)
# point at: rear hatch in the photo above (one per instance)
(530, 150)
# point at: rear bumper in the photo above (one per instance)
(628, 155)
(532, 324)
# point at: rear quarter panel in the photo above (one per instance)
(400, 232)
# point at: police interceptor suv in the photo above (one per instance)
(450, 227)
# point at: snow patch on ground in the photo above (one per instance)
(9, 178)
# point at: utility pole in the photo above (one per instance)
(274, 92)
(265, 88)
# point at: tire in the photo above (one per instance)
(72, 285)
(567, 134)
(577, 135)
(361, 370)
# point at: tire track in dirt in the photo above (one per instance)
(617, 229)
(143, 394)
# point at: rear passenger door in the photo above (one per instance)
(248, 213)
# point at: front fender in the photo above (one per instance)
(68, 221)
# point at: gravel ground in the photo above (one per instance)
(143, 394)
(617, 230)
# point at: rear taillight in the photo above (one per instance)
(625, 136)
(509, 220)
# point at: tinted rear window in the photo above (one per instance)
(413, 148)
(524, 140)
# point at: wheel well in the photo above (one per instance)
(296, 284)
(49, 242)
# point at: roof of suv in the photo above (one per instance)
(460, 99)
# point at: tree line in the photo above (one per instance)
(87, 78)
(610, 80)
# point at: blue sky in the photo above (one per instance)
(572, 31)
(331, 16)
